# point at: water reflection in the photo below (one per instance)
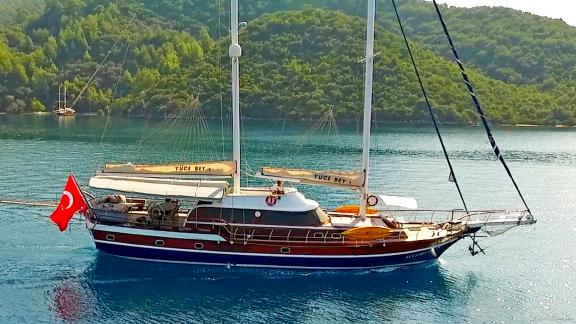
(71, 301)
(114, 289)
(65, 122)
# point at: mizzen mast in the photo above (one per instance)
(367, 103)
(235, 51)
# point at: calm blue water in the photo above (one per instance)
(528, 274)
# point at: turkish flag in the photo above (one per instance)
(71, 201)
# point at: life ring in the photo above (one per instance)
(271, 200)
(372, 200)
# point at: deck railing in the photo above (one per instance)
(453, 215)
(410, 221)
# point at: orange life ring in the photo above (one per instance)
(271, 200)
(372, 200)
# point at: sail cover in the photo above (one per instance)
(348, 179)
(162, 187)
(220, 168)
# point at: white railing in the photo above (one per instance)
(471, 217)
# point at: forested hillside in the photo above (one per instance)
(300, 58)
(19, 11)
(507, 45)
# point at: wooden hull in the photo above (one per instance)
(65, 114)
(214, 249)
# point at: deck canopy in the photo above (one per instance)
(347, 179)
(205, 189)
(397, 201)
(197, 169)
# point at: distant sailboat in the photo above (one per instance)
(63, 109)
(275, 227)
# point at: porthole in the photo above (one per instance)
(198, 246)
(257, 213)
(318, 235)
(110, 237)
(159, 243)
(336, 236)
(284, 250)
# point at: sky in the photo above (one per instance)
(565, 9)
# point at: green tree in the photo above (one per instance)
(37, 105)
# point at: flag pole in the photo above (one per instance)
(87, 202)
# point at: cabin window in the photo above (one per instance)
(284, 250)
(314, 217)
(159, 243)
(110, 237)
(198, 246)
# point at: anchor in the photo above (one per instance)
(472, 248)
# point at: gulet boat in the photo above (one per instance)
(190, 213)
(64, 110)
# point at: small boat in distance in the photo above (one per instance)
(63, 110)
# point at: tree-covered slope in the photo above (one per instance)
(65, 44)
(506, 44)
(300, 63)
(19, 11)
(296, 63)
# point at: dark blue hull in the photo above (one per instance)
(271, 260)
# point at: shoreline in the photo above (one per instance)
(345, 121)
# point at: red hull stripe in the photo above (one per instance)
(271, 247)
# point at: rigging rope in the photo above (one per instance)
(478, 106)
(183, 132)
(114, 92)
(452, 174)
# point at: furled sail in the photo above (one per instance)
(348, 179)
(217, 169)
(161, 187)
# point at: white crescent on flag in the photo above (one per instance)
(70, 198)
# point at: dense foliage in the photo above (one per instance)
(300, 58)
(19, 11)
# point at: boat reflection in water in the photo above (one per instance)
(113, 289)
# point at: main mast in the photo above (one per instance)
(367, 104)
(235, 51)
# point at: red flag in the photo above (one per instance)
(71, 201)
